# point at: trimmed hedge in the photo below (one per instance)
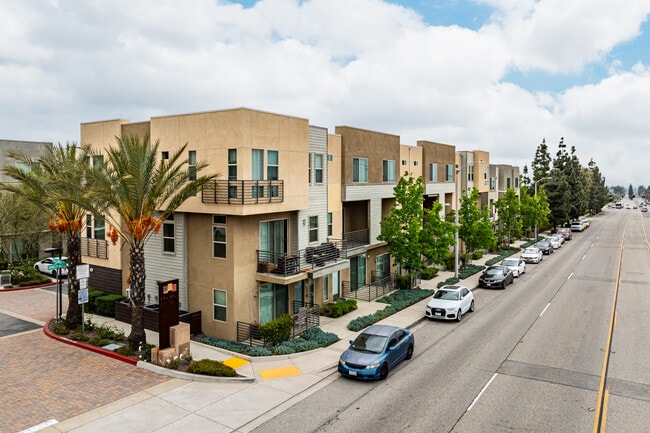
(338, 308)
(210, 367)
(429, 273)
(277, 330)
(105, 305)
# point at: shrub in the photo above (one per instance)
(398, 301)
(105, 305)
(470, 270)
(338, 308)
(60, 329)
(429, 273)
(110, 332)
(210, 367)
(98, 341)
(126, 351)
(93, 294)
(403, 282)
(320, 337)
(448, 281)
(277, 330)
(449, 262)
(477, 255)
(232, 346)
(258, 351)
(145, 351)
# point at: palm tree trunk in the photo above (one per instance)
(138, 277)
(73, 317)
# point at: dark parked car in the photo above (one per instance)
(545, 246)
(496, 276)
(375, 351)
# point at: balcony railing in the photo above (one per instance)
(292, 263)
(94, 248)
(243, 192)
(352, 242)
(375, 290)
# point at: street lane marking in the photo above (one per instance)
(481, 393)
(583, 257)
(570, 275)
(280, 372)
(544, 310)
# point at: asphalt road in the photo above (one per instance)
(529, 359)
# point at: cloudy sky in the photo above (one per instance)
(495, 75)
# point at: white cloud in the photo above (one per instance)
(363, 63)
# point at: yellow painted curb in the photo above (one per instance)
(277, 373)
(235, 362)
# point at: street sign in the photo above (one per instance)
(56, 264)
(82, 296)
(83, 283)
(83, 271)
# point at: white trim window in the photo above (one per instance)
(219, 236)
(220, 305)
(313, 228)
(388, 170)
(360, 170)
(169, 235)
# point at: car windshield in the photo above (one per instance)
(447, 295)
(370, 343)
(530, 251)
(509, 262)
(494, 271)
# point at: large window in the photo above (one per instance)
(360, 170)
(449, 173)
(313, 229)
(382, 266)
(274, 301)
(258, 172)
(272, 236)
(433, 172)
(219, 236)
(357, 272)
(388, 170)
(232, 164)
(169, 235)
(191, 163)
(318, 168)
(470, 173)
(220, 305)
(95, 227)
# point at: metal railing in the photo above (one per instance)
(375, 290)
(305, 315)
(352, 241)
(248, 333)
(294, 262)
(243, 191)
(94, 248)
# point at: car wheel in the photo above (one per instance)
(383, 373)
(459, 315)
(471, 307)
(409, 352)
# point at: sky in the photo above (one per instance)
(492, 75)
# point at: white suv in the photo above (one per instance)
(577, 226)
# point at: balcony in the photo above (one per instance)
(308, 260)
(94, 248)
(353, 243)
(243, 192)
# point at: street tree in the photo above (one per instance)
(414, 233)
(509, 216)
(534, 209)
(55, 184)
(475, 226)
(137, 191)
(23, 227)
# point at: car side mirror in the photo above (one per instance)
(351, 342)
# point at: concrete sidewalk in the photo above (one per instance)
(274, 383)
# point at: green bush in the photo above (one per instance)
(98, 341)
(145, 351)
(477, 255)
(501, 255)
(429, 273)
(398, 301)
(470, 270)
(449, 281)
(105, 305)
(110, 332)
(125, 351)
(232, 346)
(93, 294)
(277, 330)
(320, 337)
(209, 367)
(60, 329)
(338, 308)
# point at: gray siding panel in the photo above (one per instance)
(317, 192)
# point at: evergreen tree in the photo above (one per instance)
(541, 165)
(630, 191)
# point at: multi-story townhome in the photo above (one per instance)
(502, 177)
(370, 170)
(12, 244)
(253, 245)
(438, 162)
(473, 168)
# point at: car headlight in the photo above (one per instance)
(341, 362)
(372, 366)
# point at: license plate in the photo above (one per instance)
(353, 373)
(437, 314)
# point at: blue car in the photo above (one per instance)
(375, 351)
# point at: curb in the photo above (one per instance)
(192, 377)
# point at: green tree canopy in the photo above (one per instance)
(509, 213)
(475, 226)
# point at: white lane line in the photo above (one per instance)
(544, 310)
(481, 393)
(583, 257)
(570, 275)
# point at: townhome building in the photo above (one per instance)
(502, 178)
(290, 223)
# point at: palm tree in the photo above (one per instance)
(52, 183)
(137, 191)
